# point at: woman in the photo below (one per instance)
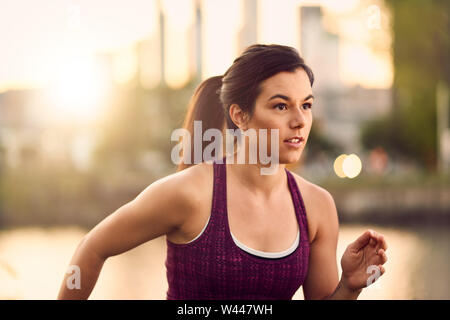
(227, 225)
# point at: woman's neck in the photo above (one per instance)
(249, 175)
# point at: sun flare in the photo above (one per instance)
(78, 89)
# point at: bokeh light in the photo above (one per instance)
(351, 166)
(338, 166)
(347, 166)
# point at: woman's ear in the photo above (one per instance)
(238, 116)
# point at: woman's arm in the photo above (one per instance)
(322, 279)
(159, 209)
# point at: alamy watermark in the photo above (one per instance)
(74, 280)
(257, 152)
(375, 273)
(373, 21)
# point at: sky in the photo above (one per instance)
(34, 33)
(39, 38)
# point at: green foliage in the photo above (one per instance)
(318, 143)
(141, 120)
(421, 55)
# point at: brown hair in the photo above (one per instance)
(239, 85)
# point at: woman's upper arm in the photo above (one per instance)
(322, 277)
(159, 209)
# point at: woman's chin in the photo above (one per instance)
(290, 158)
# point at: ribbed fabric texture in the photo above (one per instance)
(213, 267)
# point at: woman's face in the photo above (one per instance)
(285, 103)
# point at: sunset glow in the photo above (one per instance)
(118, 30)
(78, 89)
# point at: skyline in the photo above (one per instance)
(34, 52)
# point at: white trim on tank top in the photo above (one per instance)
(259, 253)
(265, 254)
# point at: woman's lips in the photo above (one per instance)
(294, 142)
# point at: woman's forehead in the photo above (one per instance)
(294, 84)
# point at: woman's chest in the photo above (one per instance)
(269, 225)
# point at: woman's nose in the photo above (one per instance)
(298, 119)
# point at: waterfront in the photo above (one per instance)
(33, 262)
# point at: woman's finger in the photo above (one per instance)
(382, 255)
(382, 269)
(382, 242)
(363, 240)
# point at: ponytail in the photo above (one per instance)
(204, 106)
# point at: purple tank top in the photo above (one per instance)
(213, 267)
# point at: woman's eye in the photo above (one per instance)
(308, 105)
(281, 106)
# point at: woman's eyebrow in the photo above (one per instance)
(287, 98)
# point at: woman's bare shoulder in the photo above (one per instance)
(160, 209)
(189, 181)
(182, 192)
(312, 189)
(318, 201)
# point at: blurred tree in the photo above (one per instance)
(172, 108)
(2, 192)
(141, 121)
(421, 55)
(122, 131)
(318, 143)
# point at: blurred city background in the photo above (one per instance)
(90, 92)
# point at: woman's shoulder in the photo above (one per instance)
(184, 190)
(191, 180)
(313, 190)
(187, 198)
(319, 203)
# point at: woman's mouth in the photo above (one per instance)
(294, 142)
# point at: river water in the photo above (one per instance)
(33, 262)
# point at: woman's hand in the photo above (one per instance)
(365, 253)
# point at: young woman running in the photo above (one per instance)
(232, 232)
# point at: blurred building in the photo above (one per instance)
(344, 112)
(341, 109)
(248, 35)
(443, 127)
(29, 137)
(37, 129)
(197, 42)
(320, 49)
(149, 62)
(21, 126)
